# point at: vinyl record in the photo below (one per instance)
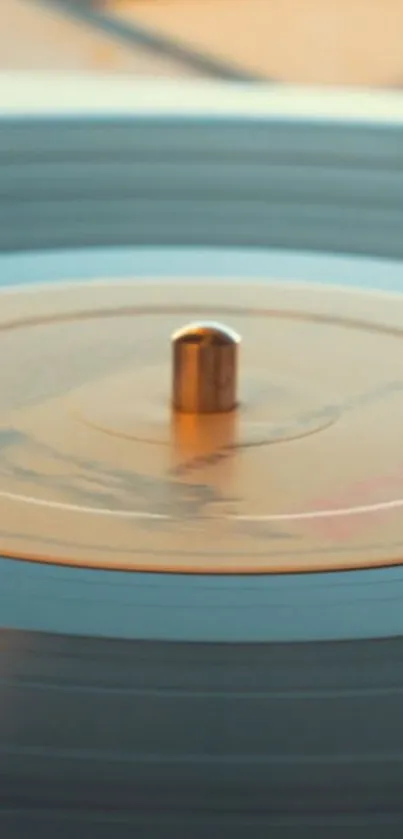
(201, 612)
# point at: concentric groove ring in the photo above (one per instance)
(129, 176)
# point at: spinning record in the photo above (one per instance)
(201, 487)
(99, 468)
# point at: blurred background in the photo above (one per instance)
(322, 42)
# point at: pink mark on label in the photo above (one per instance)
(371, 491)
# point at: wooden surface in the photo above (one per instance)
(342, 42)
(326, 42)
(36, 37)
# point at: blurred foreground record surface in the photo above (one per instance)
(201, 614)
